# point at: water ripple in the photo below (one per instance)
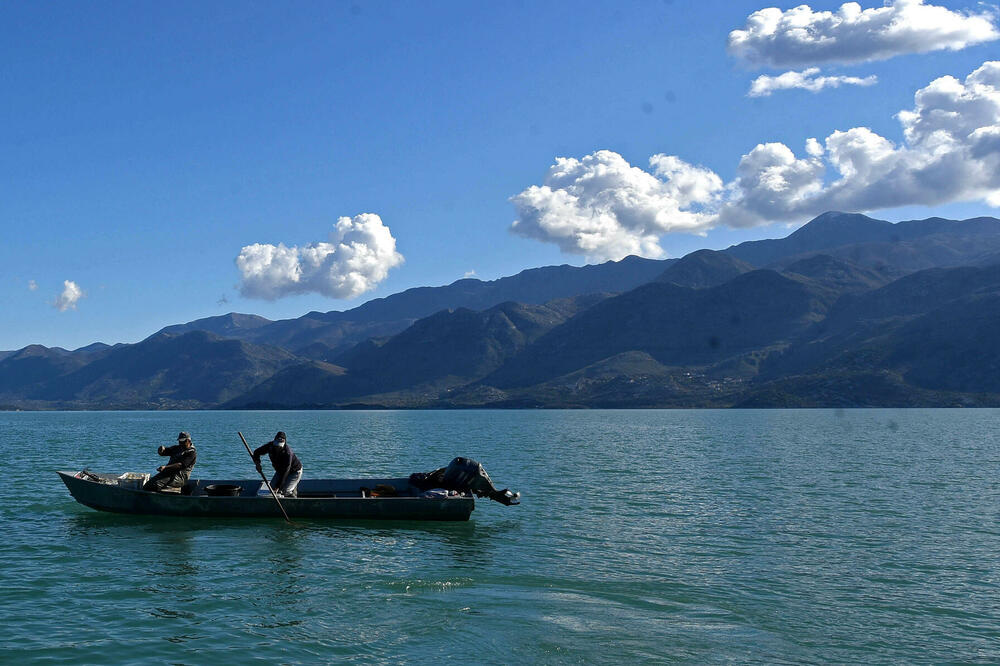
(700, 536)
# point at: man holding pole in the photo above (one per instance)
(287, 467)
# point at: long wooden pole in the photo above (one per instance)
(266, 482)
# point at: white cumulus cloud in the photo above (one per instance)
(602, 207)
(951, 152)
(356, 257)
(807, 79)
(801, 37)
(770, 180)
(67, 300)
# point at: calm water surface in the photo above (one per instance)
(644, 536)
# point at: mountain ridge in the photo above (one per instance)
(848, 310)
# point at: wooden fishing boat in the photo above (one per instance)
(317, 498)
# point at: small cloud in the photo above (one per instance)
(358, 255)
(67, 300)
(813, 147)
(32, 285)
(801, 37)
(807, 79)
(222, 300)
(469, 274)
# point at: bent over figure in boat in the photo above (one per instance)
(287, 466)
(178, 470)
(464, 474)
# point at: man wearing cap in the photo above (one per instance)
(177, 470)
(287, 467)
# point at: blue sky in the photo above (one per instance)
(146, 146)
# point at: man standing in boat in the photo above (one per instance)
(177, 471)
(287, 467)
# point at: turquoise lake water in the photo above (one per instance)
(812, 536)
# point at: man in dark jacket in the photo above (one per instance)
(287, 467)
(178, 469)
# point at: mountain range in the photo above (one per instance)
(846, 311)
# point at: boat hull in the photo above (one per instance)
(117, 499)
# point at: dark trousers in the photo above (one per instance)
(167, 480)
